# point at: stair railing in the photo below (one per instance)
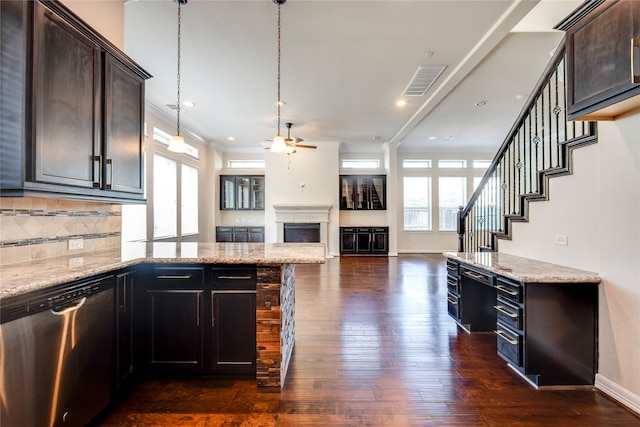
(538, 146)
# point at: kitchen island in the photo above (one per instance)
(273, 264)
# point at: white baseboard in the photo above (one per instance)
(620, 394)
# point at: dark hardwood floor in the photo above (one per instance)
(375, 347)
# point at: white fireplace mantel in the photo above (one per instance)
(302, 214)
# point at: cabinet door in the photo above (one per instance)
(257, 192)
(233, 329)
(243, 192)
(240, 234)
(66, 107)
(599, 57)
(347, 240)
(363, 240)
(256, 234)
(124, 328)
(379, 240)
(124, 118)
(175, 329)
(224, 234)
(227, 192)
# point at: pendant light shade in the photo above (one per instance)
(278, 145)
(177, 144)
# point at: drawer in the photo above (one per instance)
(476, 275)
(509, 290)
(452, 285)
(509, 345)
(176, 278)
(453, 306)
(508, 313)
(452, 268)
(235, 277)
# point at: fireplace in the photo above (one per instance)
(301, 232)
(307, 216)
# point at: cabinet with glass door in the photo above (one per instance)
(242, 192)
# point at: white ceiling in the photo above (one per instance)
(344, 65)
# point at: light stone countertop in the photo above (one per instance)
(525, 270)
(20, 278)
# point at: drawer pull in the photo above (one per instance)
(451, 267)
(452, 283)
(235, 277)
(176, 276)
(635, 44)
(475, 275)
(505, 337)
(507, 291)
(503, 311)
(452, 301)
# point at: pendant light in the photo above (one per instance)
(279, 145)
(177, 144)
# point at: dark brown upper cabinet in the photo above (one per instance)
(76, 108)
(603, 59)
(363, 192)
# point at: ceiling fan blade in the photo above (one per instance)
(305, 146)
(298, 140)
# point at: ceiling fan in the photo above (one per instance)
(294, 143)
(291, 143)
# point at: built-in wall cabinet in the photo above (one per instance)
(242, 192)
(363, 192)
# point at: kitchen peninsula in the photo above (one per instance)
(200, 276)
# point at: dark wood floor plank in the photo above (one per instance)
(375, 347)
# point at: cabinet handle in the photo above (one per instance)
(452, 301)
(635, 43)
(97, 161)
(452, 283)
(235, 277)
(451, 267)
(177, 276)
(503, 311)
(213, 316)
(109, 163)
(474, 275)
(198, 309)
(507, 290)
(505, 337)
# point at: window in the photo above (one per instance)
(360, 164)
(245, 164)
(452, 164)
(165, 196)
(416, 164)
(452, 193)
(417, 203)
(481, 164)
(189, 198)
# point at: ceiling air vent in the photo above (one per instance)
(423, 79)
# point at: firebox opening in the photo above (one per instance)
(301, 232)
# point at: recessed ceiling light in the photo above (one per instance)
(449, 138)
(401, 103)
(481, 103)
(521, 96)
(231, 138)
(280, 103)
(189, 104)
(431, 138)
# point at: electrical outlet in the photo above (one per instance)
(76, 262)
(560, 239)
(74, 244)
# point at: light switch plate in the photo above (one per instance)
(561, 239)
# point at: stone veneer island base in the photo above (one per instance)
(275, 325)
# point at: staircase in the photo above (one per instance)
(538, 146)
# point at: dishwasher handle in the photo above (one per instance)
(63, 309)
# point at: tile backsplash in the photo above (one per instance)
(33, 229)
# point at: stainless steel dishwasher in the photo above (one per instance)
(55, 355)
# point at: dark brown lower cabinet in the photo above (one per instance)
(198, 319)
(124, 329)
(364, 240)
(547, 332)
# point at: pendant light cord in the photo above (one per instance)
(278, 103)
(178, 75)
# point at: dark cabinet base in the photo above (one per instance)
(364, 240)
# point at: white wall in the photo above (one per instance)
(105, 16)
(599, 209)
(306, 177)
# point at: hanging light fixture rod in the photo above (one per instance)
(177, 143)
